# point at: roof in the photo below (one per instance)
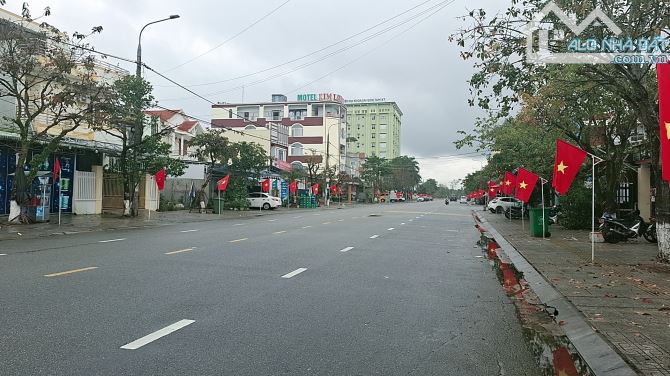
(187, 125)
(164, 115)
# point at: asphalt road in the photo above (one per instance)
(393, 289)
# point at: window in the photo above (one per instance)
(154, 127)
(373, 126)
(382, 145)
(230, 114)
(382, 136)
(250, 127)
(382, 118)
(296, 130)
(276, 115)
(297, 150)
(296, 165)
(373, 135)
(373, 145)
(382, 127)
(382, 154)
(373, 117)
(246, 116)
(184, 149)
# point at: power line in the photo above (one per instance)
(438, 6)
(313, 52)
(231, 38)
(376, 48)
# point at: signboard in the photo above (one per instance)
(274, 184)
(284, 190)
(282, 165)
(371, 100)
(324, 97)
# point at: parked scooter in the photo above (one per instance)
(554, 213)
(514, 212)
(615, 230)
(446, 201)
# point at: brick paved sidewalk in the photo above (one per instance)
(625, 295)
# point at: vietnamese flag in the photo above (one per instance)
(333, 189)
(265, 186)
(508, 184)
(481, 193)
(315, 189)
(160, 179)
(569, 159)
(663, 72)
(56, 169)
(293, 186)
(492, 189)
(222, 184)
(525, 184)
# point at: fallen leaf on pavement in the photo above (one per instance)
(643, 313)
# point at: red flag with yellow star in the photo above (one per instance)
(663, 71)
(508, 184)
(493, 189)
(525, 184)
(569, 159)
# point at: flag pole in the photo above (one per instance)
(60, 197)
(594, 161)
(544, 230)
(219, 201)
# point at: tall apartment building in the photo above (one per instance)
(375, 124)
(315, 124)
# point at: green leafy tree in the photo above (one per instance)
(430, 187)
(125, 107)
(214, 149)
(374, 171)
(55, 88)
(404, 173)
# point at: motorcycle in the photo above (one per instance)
(615, 230)
(514, 212)
(446, 201)
(554, 213)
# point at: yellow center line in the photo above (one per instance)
(179, 251)
(71, 271)
(279, 232)
(238, 240)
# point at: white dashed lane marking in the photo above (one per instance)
(374, 236)
(156, 335)
(294, 273)
(111, 240)
(346, 249)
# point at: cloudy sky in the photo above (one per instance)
(407, 59)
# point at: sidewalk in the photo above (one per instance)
(72, 224)
(624, 296)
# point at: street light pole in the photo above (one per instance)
(138, 71)
(138, 128)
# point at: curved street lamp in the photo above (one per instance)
(138, 71)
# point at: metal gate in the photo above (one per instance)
(112, 192)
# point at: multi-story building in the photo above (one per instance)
(315, 124)
(375, 125)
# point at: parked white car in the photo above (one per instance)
(463, 200)
(500, 204)
(263, 200)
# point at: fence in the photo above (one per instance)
(84, 192)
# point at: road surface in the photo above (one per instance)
(393, 289)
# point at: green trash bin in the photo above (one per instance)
(536, 222)
(215, 204)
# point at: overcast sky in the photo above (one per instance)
(413, 63)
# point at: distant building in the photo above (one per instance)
(375, 125)
(291, 131)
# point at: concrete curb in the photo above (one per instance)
(596, 352)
